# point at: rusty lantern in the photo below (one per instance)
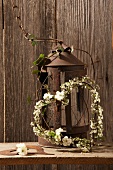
(63, 67)
(72, 118)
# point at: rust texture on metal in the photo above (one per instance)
(72, 67)
(68, 117)
(57, 107)
(64, 59)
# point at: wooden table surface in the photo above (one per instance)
(55, 155)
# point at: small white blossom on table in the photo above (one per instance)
(66, 141)
(21, 149)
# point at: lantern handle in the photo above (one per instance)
(90, 58)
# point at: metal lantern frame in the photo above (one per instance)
(65, 63)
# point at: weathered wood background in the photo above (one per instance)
(85, 24)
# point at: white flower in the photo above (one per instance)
(60, 95)
(100, 110)
(72, 48)
(78, 145)
(93, 124)
(47, 96)
(36, 112)
(85, 149)
(93, 90)
(32, 124)
(58, 131)
(97, 97)
(39, 104)
(66, 141)
(100, 134)
(21, 149)
(100, 121)
(57, 138)
(94, 131)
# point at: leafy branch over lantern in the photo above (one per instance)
(34, 41)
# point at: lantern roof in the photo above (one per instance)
(64, 59)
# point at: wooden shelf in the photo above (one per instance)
(56, 155)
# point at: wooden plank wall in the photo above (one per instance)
(1, 76)
(85, 24)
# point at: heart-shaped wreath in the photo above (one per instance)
(56, 137)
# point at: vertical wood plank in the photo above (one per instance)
(19, 80)
(45, 22)
(103, 60)
(1, 75)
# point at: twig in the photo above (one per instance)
(26, 34)
(90, 58)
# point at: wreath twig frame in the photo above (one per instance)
(56, 137)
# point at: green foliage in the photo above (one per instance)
(35, 71)
(40, 60)
(32, 38)
(34, 43)
(52, 133)
(29, 100)
(44, 110)
(60, 49)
